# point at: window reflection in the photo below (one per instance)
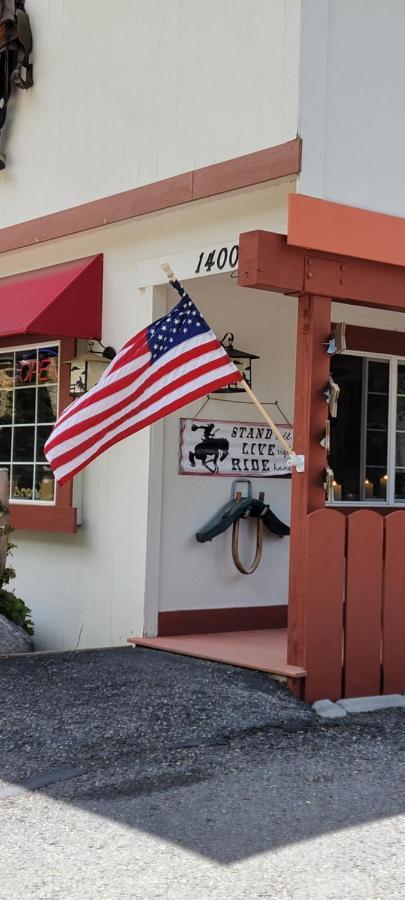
(26, 367)
(400, 436)
(6, 370)
(47, 404)
(48, 368)
(44, 483)
(28, 409)
(43, 433)
(24, 405)
(359, 434)
(6, 407)
(5, 444)
(22, 482)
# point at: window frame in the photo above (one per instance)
(391, 502)
(58, 515)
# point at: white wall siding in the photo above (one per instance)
(203, 576)
(92, 584)
(351, 102)
(140, 90)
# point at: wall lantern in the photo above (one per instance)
(88, 366)
(243, 362)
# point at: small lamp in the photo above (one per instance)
(88, 366)
(243, 362)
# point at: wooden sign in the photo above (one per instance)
(191, 263)
(249, 449)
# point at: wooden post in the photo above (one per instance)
(310, 415)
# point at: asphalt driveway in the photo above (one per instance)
(133, 773)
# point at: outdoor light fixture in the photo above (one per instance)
(88, 366)
(242, 360)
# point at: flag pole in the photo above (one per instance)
(296, 460)
(266, 417)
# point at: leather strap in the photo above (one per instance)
(235, 547)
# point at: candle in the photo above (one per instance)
(46, 489)
(337, 491)
(368, 489)
(383, 486)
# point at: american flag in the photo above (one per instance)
(175, 360)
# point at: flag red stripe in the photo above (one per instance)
(129, 351)
(177, 404)
(117, 363)
(69, 455)
(102, 392)
(156, 374)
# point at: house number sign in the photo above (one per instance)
(217, 260)
(192, 263)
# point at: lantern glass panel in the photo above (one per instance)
(78, 377)
(95, 369)
(244, 367)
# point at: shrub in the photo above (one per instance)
(11, 606)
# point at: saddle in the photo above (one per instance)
(7, 34)
(230, 515)
(242, 508)
(16, 39)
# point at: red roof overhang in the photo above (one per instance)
(62, 301)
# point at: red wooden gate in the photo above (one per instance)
(355, 603)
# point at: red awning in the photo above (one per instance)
(62, 301)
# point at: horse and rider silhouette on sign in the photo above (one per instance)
(15, 53)
(210, 450)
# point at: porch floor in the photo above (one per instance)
(262, 649)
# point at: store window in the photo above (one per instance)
(368, 436)
(29, 398)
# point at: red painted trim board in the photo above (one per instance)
(230, 175)
(267, 262)
(375, 340)
(206, 621)
(346, 230)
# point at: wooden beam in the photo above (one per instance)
(375, 340)
(229, 175)
(310, 415)
(267, 262)
(244, 171)
(356, 281)
(346, 230)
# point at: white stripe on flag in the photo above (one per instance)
(188, 388)
(108, 402)
(93, 408)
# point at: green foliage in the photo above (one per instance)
(11, 606)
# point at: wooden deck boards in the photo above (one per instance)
(262, 649)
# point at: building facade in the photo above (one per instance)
(187, 138)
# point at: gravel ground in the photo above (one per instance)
(159, 776)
